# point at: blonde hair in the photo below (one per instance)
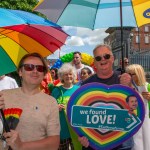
(65, 68)
(139, 71)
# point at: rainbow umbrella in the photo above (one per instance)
(23, 32)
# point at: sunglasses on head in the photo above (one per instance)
(31, 67)
(99, 58)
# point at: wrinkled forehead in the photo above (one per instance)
(102, 51)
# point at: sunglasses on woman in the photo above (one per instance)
(31, 67)
(99, 58)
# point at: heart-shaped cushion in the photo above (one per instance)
(101, 95)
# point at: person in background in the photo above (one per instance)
(38, 127)
(78, 64)
(85, 73)
(103, 61)
(67, 75)
(142, 137)
(54, 74)
(7, 82)
(126, 63)
(44, 84)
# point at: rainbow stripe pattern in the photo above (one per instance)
(95, 94)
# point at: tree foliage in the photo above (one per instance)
(26, 5)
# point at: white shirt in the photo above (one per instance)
(7, 83)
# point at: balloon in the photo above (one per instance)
(86, 59)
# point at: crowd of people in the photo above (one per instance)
(43, 124)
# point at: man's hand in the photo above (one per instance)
(13, 140)
(61, 107)
(84, 141)
(146, 95)
(125, 79)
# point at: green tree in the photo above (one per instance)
(26, 5)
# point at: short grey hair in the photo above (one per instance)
(65, 68)
(102, 45)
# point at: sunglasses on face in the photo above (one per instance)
(31, 67)
(126, 62)
(105, 56)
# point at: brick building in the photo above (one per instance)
(136, 42)
(140, 39)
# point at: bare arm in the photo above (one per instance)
(49, 143)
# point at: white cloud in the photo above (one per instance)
(75, 41)
(81, 39)
(84, 36)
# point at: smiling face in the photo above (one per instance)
(133, 103)
(33, 77)
(103, 66)
(84, 74)
(68, 78)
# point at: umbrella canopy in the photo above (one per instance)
(30, 33)
(97, 13)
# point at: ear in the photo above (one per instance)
(20, 72)
(113, 59)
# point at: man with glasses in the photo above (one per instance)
(38, 126)
(77, 58)
(103, 61)
(126, 63)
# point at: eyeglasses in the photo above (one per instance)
(99, 58)
(126, 62)
(132, 74)
(31, 67)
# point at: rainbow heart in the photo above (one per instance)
(95, 95)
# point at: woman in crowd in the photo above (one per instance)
(142, 137)
(67, 75)
(85, 73)
(54, 75)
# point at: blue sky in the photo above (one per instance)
(81, 39)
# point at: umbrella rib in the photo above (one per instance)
(13, 40)
(96, 13)
(63, 10)
(134, 13)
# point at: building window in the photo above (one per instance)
(146, 29)
(137, 39)
(146, 39)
